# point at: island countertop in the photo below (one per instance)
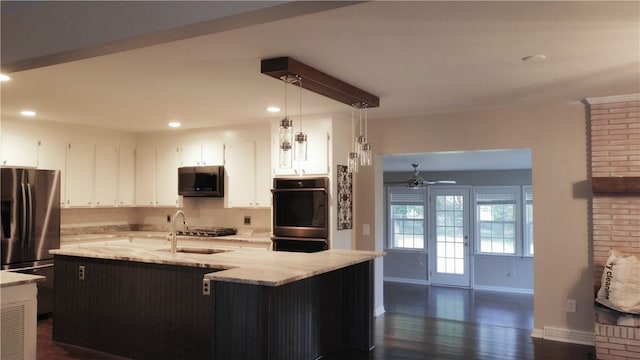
(10, 278)
(234, 264)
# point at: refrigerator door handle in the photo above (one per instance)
(30, 215)
(24, 221)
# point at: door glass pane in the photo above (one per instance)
(450, 234)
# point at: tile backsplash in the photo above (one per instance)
(200, 212)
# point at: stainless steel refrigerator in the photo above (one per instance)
(30, 218)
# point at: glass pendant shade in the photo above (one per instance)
(352, 165)
(286, 140)
(300, 147)
(365, 155)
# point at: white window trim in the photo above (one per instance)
(517, 193)
(525, 240)
(389, 202)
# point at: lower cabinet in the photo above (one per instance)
(134, 310)
(18, 326)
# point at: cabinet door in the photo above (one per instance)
(212, 154)
(197, 154)
(80, 174)
(19, 150)
(241, 174)
(145, 176)
(52, 155)
(263, 174)
(191, 155)
(317, 162)
(167, 176)
(126, 176)
(106, 175)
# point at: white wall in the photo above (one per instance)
(557, 137)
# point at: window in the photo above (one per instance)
(497, 214)
(527, 194)
(406, 218)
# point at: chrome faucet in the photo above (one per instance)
(174, 237)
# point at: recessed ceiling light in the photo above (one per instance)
(533, 58)
(273, 109)
(175, 124)
(28, 113)
(4, 77)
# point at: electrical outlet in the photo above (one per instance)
(247, 220)
(570, 307)
(81, 272)
(206, 287)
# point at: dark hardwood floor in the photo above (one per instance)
(424, 322)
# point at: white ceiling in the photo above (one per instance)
(419, 57)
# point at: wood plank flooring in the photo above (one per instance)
(423, 322)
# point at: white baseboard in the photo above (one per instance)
(565, 335)
(504, 289)
(406, 281)
(378, 311)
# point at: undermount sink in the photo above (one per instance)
(201, 251)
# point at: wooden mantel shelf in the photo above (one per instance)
(626, 185)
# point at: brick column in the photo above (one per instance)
(614, 145)
(615, 152)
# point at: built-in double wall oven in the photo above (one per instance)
(300, 214)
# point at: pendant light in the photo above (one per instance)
(300, 146)
(285, 130)
(352, 161)
(365, 147)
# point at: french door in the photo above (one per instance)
(449, 236)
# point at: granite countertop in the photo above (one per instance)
(234, 264)
(260, 238)
(10, 278)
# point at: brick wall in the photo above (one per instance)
(617, 342)
(614, 130)
(615, 151)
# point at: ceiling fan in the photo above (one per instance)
(416, 181)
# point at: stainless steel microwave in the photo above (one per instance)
(201, 181)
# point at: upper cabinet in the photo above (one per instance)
(126, 176)
(19, 150)
(157, 176)
(106, 176)
(202, 154)
(80, 174)
(52, 155)
(318, 142)
(248, 174)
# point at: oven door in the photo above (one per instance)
(301, 208)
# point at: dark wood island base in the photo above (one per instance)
(306, 319)
(143, 310)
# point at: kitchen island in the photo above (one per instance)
(132, 298)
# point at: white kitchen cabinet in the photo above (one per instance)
(126, 176)
(205, 154)
(106, 175)
(52, 155)
(248, 174)
(157, 176)
(18, 150)
(318, 138)
(80, 174)
(18, 319)
(145, 176)
(167, 176)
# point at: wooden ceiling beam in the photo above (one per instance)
(319, 82)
